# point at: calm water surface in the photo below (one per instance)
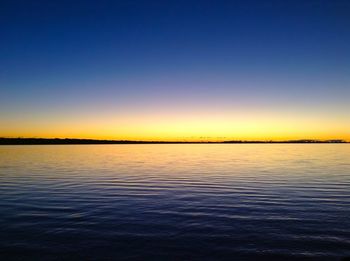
(175, 202)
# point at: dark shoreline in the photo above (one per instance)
(43, 141)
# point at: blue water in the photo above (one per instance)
(175, 202)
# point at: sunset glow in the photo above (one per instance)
(134, 72)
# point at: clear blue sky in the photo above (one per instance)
(109, 64)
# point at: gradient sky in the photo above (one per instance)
(175, 70)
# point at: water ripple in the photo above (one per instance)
(174, 202)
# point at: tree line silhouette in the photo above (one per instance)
(58, 141)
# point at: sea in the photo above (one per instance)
(175, 202)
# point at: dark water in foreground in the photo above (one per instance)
(175, 202)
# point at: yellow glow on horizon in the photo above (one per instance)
(182, 128)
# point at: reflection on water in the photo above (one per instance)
(175, 202)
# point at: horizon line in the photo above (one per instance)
(53, 141)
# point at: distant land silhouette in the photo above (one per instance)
(58, 141)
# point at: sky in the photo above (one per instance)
(175, 70)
